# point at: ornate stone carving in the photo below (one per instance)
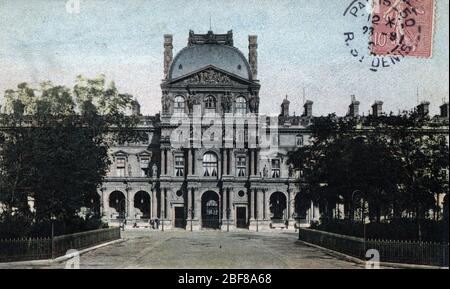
(192, 100)
(254, 103)
(165, 102)
(227, 103)
(154, 171)
(265, 172)
(209, 76)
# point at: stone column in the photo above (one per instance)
(250, 161)
(170, 167)
(232, 164)
(130, 205)
(219, 166)
(224, 206)
(256, 162)
(189, 203)
(168, 209)
(260, 205)
(197, 209)
(253, 209)
(232, 212)
(163, 162)
(267, 204)
(162, 203)
(225, 161)
(194, 162)
(189, 163)
(154, 204)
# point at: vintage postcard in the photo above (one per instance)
(231, 135)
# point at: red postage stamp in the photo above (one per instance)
(402, 27)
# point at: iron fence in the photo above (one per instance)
(46, 248)
(420, 253)
(25, 249)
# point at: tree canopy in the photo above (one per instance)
(396, 164)
(54, 147)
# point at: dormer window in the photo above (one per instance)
(239, 67)
(180, 66)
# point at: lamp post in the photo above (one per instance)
(52, 219)
(363, 216)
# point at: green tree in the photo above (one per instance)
(56, 152)
(396, 164)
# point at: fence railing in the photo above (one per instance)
(46, 248)
(420, 253)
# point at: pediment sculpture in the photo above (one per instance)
(209, 76)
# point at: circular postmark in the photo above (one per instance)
(387, 31)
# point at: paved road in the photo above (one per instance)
(207, 249)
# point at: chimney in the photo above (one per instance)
(444, 110)
(377, 108)
(353, 109)
(168, 54)
(285, 107)
(253, 55)
(423, 108)
(308, 108)
(136, 108)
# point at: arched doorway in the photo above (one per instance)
(143, 204)
(210, 210)
(117, 201)
(278, 206)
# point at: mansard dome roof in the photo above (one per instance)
(206, 49)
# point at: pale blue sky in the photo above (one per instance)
(301, 44)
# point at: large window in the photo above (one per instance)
(210, 165)
(241, 105)
(241, 166)
(179, 166)
(179, 104)
(120, 167)
(210, 104)
(275, 168)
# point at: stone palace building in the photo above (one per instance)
(207, 163)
